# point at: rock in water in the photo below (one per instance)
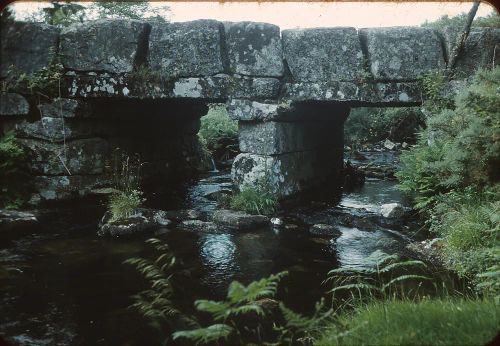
(14, 220)
(323, 229)
(238, 219)
(389, 145)
(143, 220)
(392, 210)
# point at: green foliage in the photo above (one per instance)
(426, 322)
(219, 132)
(441, 164)
(240, 301)
(491, 21)
(63, 13)
(371, 125)
(156, 303)
(254, 200)
(377, 278)
(14, 173)
(45, 82)
(433, 86)
(126, 178)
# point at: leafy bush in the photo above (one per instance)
(254, 200)
(14, 173)
(441, 164)
(123, 204)
(427, 322)
(219, 132)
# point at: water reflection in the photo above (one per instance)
(217, 252)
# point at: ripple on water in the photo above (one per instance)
(217, 252)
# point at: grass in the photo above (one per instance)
(122, 204)
(254, 201)
(427, 322)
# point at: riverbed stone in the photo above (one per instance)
(254, 49)
(392, 210)
(239, 219)
(323, 54)
(322, 229)
(110, 45)
(26, 47)
(186, 49)
(12, 104)
(16, 220)
(83, 156)
(66, 108)
(140, 221)
(199, 226)
(402, 53)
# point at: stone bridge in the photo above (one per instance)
(127, 81)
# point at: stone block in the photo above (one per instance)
(287, 174)
(323, 54)
(60, 188)
(27, 47)
(254, 49)
(59, 130)
(322, 91)
(402, 53)
(187, 49)
(84, 156)
(247, 110)
(244, 87)
(12, 105)
(65, 108)
(479, 50)
(271, 138)
(113, 46)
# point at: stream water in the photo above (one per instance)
(64, 285)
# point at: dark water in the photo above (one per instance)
(64, 285)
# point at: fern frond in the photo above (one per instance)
(404, 278)
(206, 335)
(219, 310)
(403, 264)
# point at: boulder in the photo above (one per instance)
(402, 53)
(13, 104)
(186, 49)
(15, 220)
(392, 210)
(323, 54)
(142, 220)
(254, 49)
(113, 46)
(65, 108)
(239, 220)
(324, 230)
(27, 47)
(83, 156)
(183, 215)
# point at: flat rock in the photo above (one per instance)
(13, 104)
(324, 230)
(254, 49)
(113, 46)
(183, 215)
(143, 220)
(27, 47)
(323, 54)
(238, 219)
(186, 49)
(15, 220)
(199, 226)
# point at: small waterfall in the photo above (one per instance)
(214, 167)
